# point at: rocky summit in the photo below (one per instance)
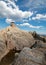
(18, 47)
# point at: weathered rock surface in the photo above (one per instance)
(14, 38)
(2, 46)
(30, 57)
(39, 44)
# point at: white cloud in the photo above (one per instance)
(9, 20)
(29, 25)
(11, 11)
(25, 20)
(39, 16)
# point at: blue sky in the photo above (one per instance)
(29, 15)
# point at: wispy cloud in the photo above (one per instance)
(39, 16)
(35, 4)
(30, 26)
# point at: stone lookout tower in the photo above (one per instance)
(12, 24)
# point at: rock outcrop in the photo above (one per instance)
(38, 37)
(30, 57)
(14, 38)
(18, 47)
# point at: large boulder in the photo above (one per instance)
(20, 38)
(14, 38)
(30, 57)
